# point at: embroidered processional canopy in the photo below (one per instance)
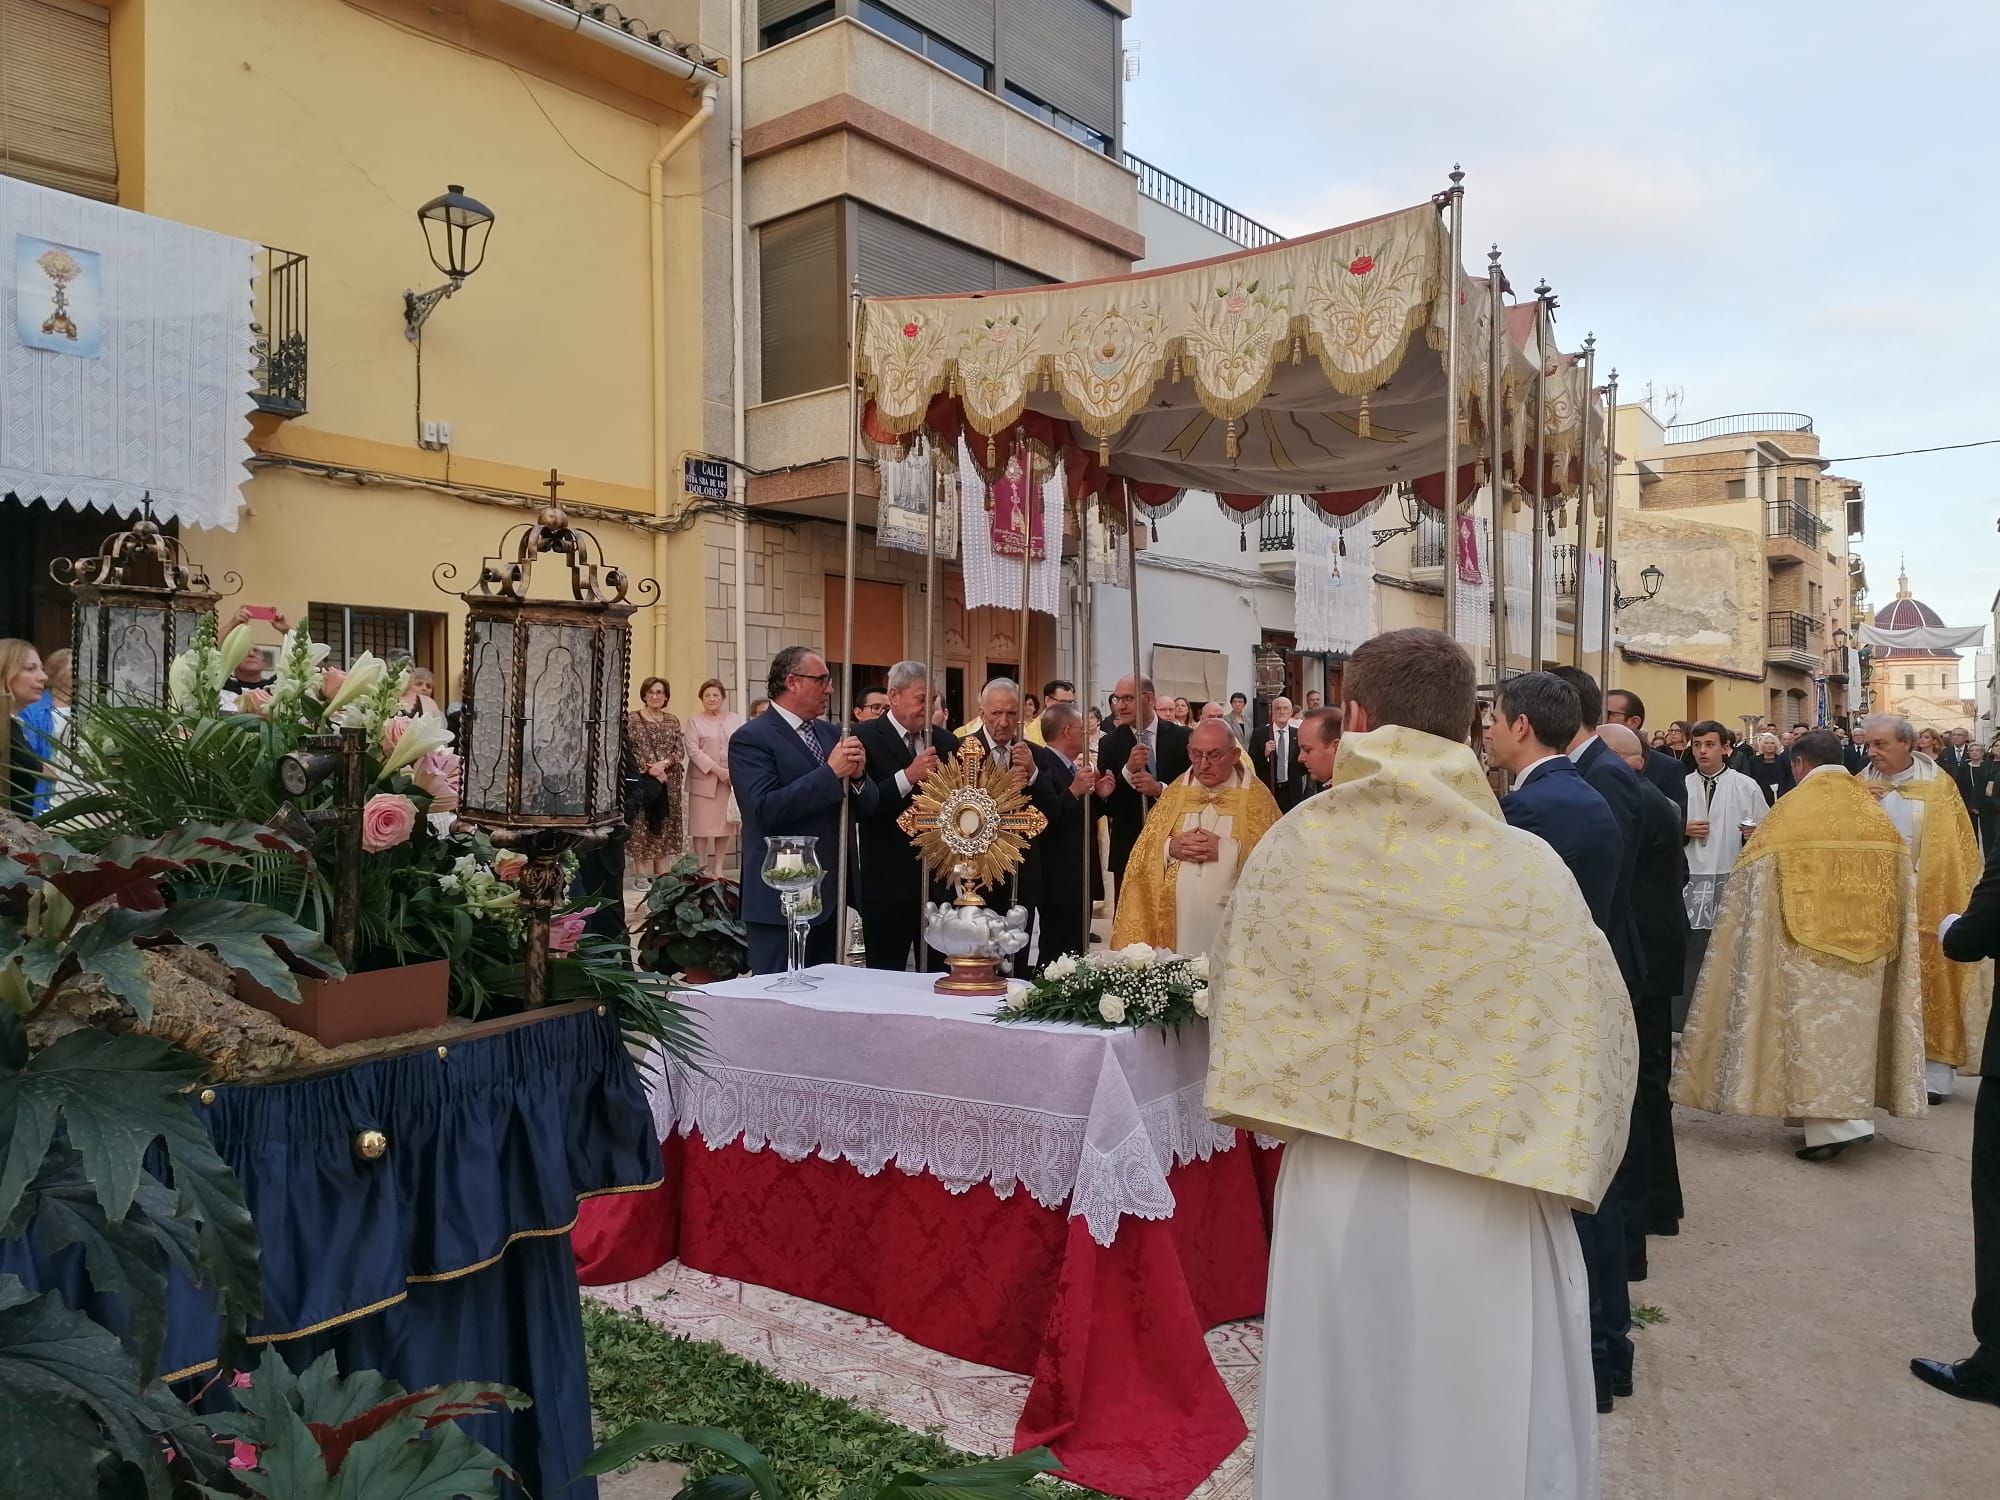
(1313, 367)
(126, 361)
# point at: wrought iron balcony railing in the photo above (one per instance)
(1794, 631)
(280, 326)
(1787, 518)
(1277, 529)
(1427, 549)
(1744, 421)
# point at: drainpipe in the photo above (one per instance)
(739, 443)
(656, 238)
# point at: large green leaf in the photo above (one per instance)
(115, 1095)
(997, 1479)
(129, 867)
(254, 939)
(641, 1438)
(126, 1258)
(69, 1394)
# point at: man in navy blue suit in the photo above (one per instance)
(1536, 717)
(1618, 784)
(1623, 706)
(791, 770)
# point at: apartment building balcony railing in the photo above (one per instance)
(1191, 202)
(1792, 639)
(1427, 549)
(1277, 528)
(280, 332)
(1743, 421)
(1788, 518)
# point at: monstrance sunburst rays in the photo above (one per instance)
(969, 821)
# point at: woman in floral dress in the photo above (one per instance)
(654, 738)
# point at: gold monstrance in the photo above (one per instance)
(971, 824)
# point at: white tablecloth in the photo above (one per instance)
(873, 1068)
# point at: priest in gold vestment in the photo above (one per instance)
(1414, 996)
(1192, 848)
(1812, 1007)
(1926, 808)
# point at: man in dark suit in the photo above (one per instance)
(999, 730)
(1853, 754)
(1059, 915)
(892, 888)
(1967, 939)
(1955, 763)
(1536, 717)
(791, 771)
(1652, 1167)
(1274, 750)
(1623, 706)
(1143, 752)
(1618, 784)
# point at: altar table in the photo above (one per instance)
(1063, 1207)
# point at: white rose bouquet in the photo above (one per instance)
(1135, 987)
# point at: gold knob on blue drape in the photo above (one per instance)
(371, 1145)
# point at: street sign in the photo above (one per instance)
(704, 478)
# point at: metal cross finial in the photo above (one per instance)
(553, 483)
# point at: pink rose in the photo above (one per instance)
(244, 1456)
(393, 729)
(253, 701)
(508, 866)
(386, 821)
(566, 929)
(436, 773)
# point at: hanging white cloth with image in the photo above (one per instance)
(126, 358)
(1475, 598)
(1521, 549)
(1590, 590)
(902, 516)
(993, 576)
(1334, 596)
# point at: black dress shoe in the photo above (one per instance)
(1621, 1386)
(1935, 1372)
(1831, 1149)
(1936, 1099)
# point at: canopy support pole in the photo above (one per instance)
(1538, 578)
(1455, 211)
(1132, 557)
(1583, 501)
(930, 685)
(1497, 446)
(1031, 507)
(841, 954)
(1083, 698)
(1610, 530)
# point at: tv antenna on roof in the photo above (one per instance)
(1131, 61)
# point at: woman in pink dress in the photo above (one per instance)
(708, 735)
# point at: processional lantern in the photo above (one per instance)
(541, 733)
(137, 603)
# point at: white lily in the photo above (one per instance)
(422, 737)
(364, 675)
(235, 646)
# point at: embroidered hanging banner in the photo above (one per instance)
(126, 361)
(903, 519)
(1335, 594)
(993, 578)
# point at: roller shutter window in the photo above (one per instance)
(776, 12)
(55, 96)
(895, 258)
(1065, 53)
(801, 300)
(966, 24)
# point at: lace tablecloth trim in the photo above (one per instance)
(960, 1142)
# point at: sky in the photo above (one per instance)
(1767, 205)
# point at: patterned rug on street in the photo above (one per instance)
(972, 1407)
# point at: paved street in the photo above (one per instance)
(1795, 1297)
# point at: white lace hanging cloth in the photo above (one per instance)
(902, 518)
(873, 1068)
(154, 393)
(1590, 592)
(1475, 600)
(991, 579)
(1334, 596)
(1521, 587)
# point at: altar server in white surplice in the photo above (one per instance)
(1414, 996)
(1721, 805)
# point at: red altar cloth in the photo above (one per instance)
(1123, 1389)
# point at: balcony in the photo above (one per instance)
(1791, 533)
(1191, 202)
(1277, 528)
(1792, 639)
(279, 330)
(1740, 423)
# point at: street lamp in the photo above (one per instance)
(126, 629)
(1650, 579)
(455, 231)
(542, 732)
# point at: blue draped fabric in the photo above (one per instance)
(448, 1258)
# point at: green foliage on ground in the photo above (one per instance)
(821, 1448)
(1645, 1315)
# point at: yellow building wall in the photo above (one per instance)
(321, 126)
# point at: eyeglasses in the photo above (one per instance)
(1212, 754)
(1121, 697)
(813, 676)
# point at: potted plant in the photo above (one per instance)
(694, 925)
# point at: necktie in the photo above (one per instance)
(916, 748)
(812, 740)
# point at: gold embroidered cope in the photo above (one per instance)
(1149, 898)
(1400, 969)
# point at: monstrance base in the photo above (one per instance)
(972, 976)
